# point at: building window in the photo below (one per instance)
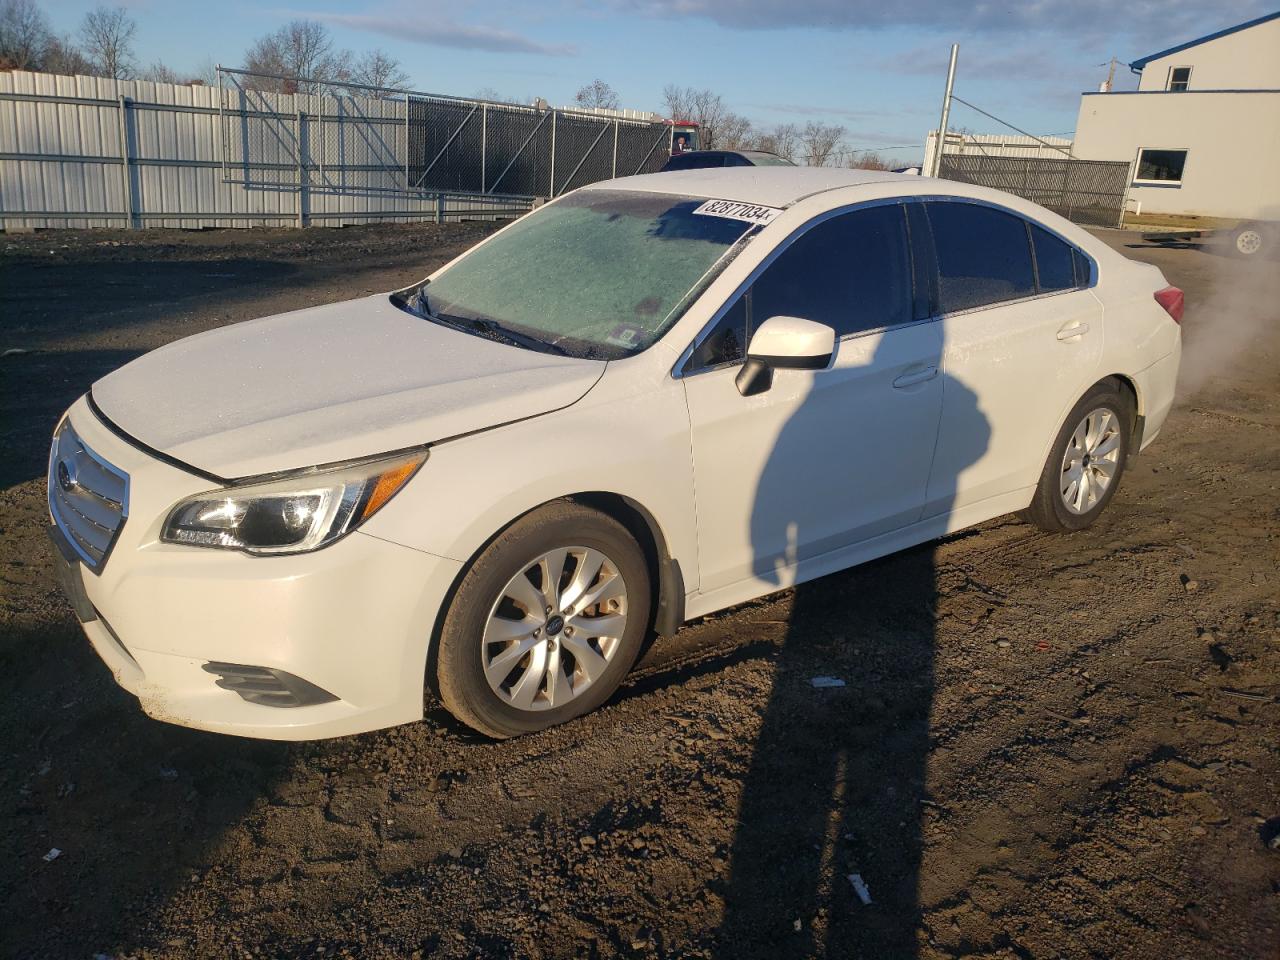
(1161, 166)
(1179, 77)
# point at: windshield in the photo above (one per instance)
(599, 274)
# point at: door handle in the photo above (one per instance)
(916, 376)
(1073, 331)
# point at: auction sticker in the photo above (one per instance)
(733, 210)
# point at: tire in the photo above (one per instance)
(1249, 240)
(505, 668)
(1101, 421)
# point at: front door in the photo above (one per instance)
(822, 459)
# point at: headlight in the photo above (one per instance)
(293, 514)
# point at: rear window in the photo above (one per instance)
(694, 161)
(983, 255)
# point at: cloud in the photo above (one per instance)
(435, 30)
(1158, 22)
(828, 112)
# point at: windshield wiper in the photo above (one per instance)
(496, 331)
(481, 326)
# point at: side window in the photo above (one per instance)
(1083, 272)
(852, 272)
(1055, 261)
(983, 255)
(727, 342)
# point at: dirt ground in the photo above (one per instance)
(1046, 746)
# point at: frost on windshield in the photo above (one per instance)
(600, 272)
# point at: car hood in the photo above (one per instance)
(328, 384)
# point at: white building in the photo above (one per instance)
(1048, 147)
(1203, 128)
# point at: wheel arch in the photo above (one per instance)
(1127, 388)
(666, 578)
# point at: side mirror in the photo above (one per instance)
(784, 343)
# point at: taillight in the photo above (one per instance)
(1171, 299)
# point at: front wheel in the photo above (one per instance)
(546, 623)
(1085, 464)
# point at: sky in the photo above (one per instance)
(875, 67)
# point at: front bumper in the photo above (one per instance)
(354, 619)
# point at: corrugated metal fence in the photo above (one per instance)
(96, 152)
(455, 144)
(996, 145)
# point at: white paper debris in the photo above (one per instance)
(52, 855)
(824, 683)
(860, 888)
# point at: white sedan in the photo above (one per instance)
(650, 399)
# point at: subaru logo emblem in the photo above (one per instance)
(67, 478)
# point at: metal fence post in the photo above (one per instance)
(126, 161)
(615, 147)
(552, 191)
(439, 208)
(484, 144)
(302, 172)
(406, 143)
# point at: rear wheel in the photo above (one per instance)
(1086, 462)
(546, 623)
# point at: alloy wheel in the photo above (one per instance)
(555, 628)
(1091, 460)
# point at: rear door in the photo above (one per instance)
(1022, 340)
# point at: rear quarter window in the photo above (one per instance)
(1055, 261)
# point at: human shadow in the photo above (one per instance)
(837, 786)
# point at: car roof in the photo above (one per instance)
(766, 186)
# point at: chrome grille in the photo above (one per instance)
(88, 497)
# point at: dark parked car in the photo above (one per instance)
(704, 159)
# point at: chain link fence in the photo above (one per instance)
(1088, 192)
(287, 134)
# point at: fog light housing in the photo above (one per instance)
(267, 686)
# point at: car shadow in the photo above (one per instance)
(828, 845)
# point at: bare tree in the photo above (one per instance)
(676, 103)
(820, 141)
(107, 35)
(65, 57)
(780, 140)
(300, 49)
(380, 70)
(161, 72)
(703, 107)
(734, 132)
(25, 36)
(206, 73)
(867, 160)
(598, 95)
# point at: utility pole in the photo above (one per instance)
(946, 114)
(1111, 76)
